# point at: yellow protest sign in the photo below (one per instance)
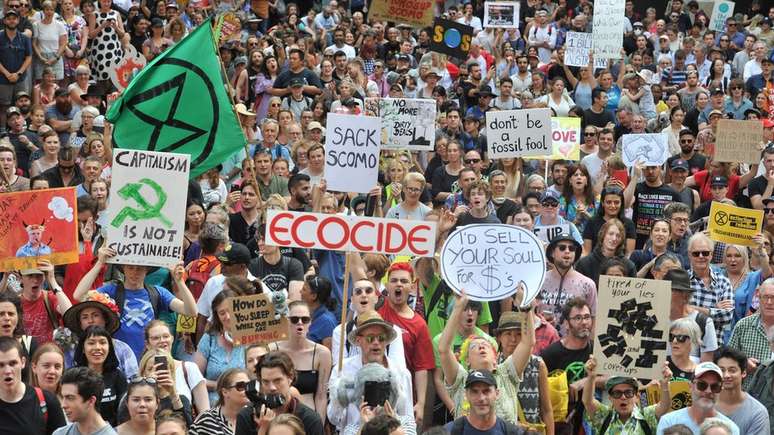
(736, 225)
(679, 394)
(186, 324)
(253, 320)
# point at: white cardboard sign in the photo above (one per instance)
(652, 149)
(519, 133)
(352, 146)
(407, 123)
(608, 28)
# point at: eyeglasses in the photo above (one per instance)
(275, 105)
(371, 338)
(736, 88)
(413, 190)
(549, 204)
(579, 317)
(686, 140)
(137, 379)
(565, 247)
(589, 133)
(360, 290)
(681, 338)
(471, 161)
(702, 386)
(66, 168)
(723, 40)
(239, 386)
(731, 24)
(296, 319)
(616, 394)
(16, 6)
(680, 220)
(697, 254)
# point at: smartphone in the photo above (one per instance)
(235, 188)
(370, 206)
(162, 360)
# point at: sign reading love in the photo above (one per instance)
(565, 140)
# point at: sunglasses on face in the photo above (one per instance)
(550, 204)
(381, 338)
(703, 385)
(239, 386)
(471, 161)
(686, 140)
(697, 254)
(299, 319)
(360, 290)
(589, 133)
(681, 338)
(616, 394)
(563, 248)
(768, 210)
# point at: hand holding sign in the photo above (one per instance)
(492, 261)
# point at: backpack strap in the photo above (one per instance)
(153, 295)
(459, 426)
(42, 403)
(645, 427)
(49, 311)
(606, 422)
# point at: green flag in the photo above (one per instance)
(179, 103)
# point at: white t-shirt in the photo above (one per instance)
(194, 379)
(48, 35)
(214, 286)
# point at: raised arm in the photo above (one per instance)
(449, 363)
(630, 188)
(184, 302)
(87, 281)
(665, 401)
(589, 402)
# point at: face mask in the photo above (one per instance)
(638, 31)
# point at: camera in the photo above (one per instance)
(271, 401)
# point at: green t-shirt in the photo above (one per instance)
(457, 343)
(434, 322)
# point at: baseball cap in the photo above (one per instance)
(236, 253)
(314, 125)
(637, 24)
(12, 110)
(396, 86)
(680, 164)
(11, 12)
(768, 200)
(482, 376)
(404, 57)
(719, 181)
(27, 272)
(766, 20)
(21, 94)
(549, 194)
(297, 82)
(716, 90)
(707, 367)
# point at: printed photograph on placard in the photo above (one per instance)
(504, 15)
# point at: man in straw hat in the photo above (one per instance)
(99, 309)
(372, 335)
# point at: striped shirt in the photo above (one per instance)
(211, 422)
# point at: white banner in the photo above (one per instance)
(491, 261)
(721, 11)
(652, 149)
(577, 49)
(352, 152)
(335, 232)
(146, 212)
(407, 123)
(519, 133)
(547, 232)
(608, 28)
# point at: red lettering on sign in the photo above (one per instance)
(414, 238)
(327, 244)
(355, 242)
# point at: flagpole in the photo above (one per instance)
(344, 309)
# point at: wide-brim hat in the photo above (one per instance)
(100, 301)
(242, 110)
(562, 238)
(367, 319)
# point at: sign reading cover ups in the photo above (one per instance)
(147, 207)
(519, 133)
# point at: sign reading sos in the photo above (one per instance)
(451, 38)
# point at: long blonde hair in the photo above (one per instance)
(148, 361)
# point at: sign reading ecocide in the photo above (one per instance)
(519, 133)
(334, 232)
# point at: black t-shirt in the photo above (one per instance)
(595, 224)
(757, 186)
(277, 276)
(649, 203)
(115, 388)
(443, 181)
(501, 427)
(572, 361)
(597, 119)
(238, 229)
(696, 163)
(467, 219)
(311, 421)
(310, 78)
(25, 417)
(507, 208)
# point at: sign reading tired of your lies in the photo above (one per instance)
(519, 133)
(352, 152)
(491, 261)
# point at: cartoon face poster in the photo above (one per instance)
(38, 224)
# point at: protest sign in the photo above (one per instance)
(491, 261)
(406, 123)
(632, 326)
(334, 232)
(565, 140)
(504, 15)
(652, 149)
(546, 233)
(577, 49)
(451, 38)
(608, 28)
(736, 225)
(254, 320)
(721, 11)
(38, 224)
(738, 141)
(229, 27)
(352, 152)
(679, 394)
(146, 213)
(519, 133)
(418, 13)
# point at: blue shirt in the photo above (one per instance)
(681, 417)
(13, 52)
(738, 112)
(323, 322)
(136, 313)
(27, 250)
(332, 268)
(574, 233)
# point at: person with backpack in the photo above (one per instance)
(623, 416)
(681, 308)
(482, 394)
(24, 409)
(43, 309)
(138, 303)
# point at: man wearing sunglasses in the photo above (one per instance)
(372, 334)
(705, 388)
(66, 173)
(747, 412)
(549, 224)
(623, 415)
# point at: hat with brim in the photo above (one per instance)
(646, 75)
(28, 272)
(100, 301)
(91, 92)
(242, 110)
(11, 12)
(510, 320)
(621, 380)
(368, 319)
(715, 113)
(562, 238)
(681, 281)
(480, 377)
